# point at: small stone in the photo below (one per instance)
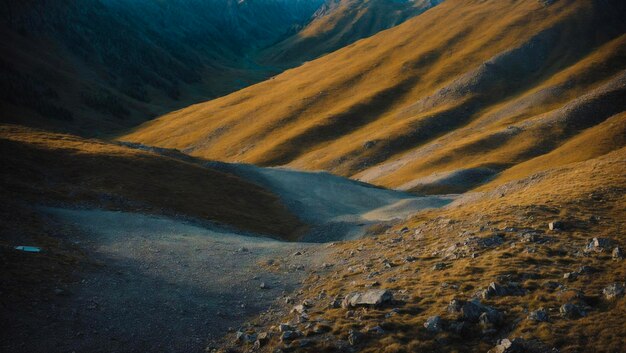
(321, 328)
(571, 311)
(613, 291)
(496, 290)
(440, 266)
(376, 330)
(538, 315)
(556, 225)
(261, 340)
(570, 276)
(299, 309)
(355, 337)
(599, 244)
(289, 336)
(455, 305)
(490, 319)
(284, 328)
(264, 285)
(433, 324)
(617, 253)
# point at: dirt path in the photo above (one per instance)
(337, 208)
(166, 285)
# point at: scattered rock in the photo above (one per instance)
(321, 328)
(617, 253)
(570, 276)
(571, 311)
(613, 291)
(300, 309)
(433, 324)
(497, 290)
(440, 266)
(472, 310)
(261, 340)
(264, 285)
(243, 337)
(376, 330)
(373, 297)
(289, 336)
(285, 328)
(599, 244)
(520, 345)
(556, 225)
(490, 319)
(355, 337)
(539, 315)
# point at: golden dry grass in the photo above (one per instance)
(571, 193)
(466, 84)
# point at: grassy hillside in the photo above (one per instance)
(42, 168)
(499, 236)
(442, 103)
(339, 23)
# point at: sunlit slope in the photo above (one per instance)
(55, 169)
(342, 22)
(441, 103)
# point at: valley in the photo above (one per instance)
(315, 176)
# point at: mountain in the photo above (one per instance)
(467, 92)
(96, 66)
(338, 23)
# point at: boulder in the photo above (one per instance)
(372, 297)
(613, 291)
(472, 310)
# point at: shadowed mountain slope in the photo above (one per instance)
(96, 66)
(442, 103)
(64, 170)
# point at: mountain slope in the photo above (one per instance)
(426, 107)
(95, 66)
(42, 168)
(339, 23)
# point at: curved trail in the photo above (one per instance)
(168, 285)
(336, 208)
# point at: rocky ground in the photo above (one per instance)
(536, 265)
